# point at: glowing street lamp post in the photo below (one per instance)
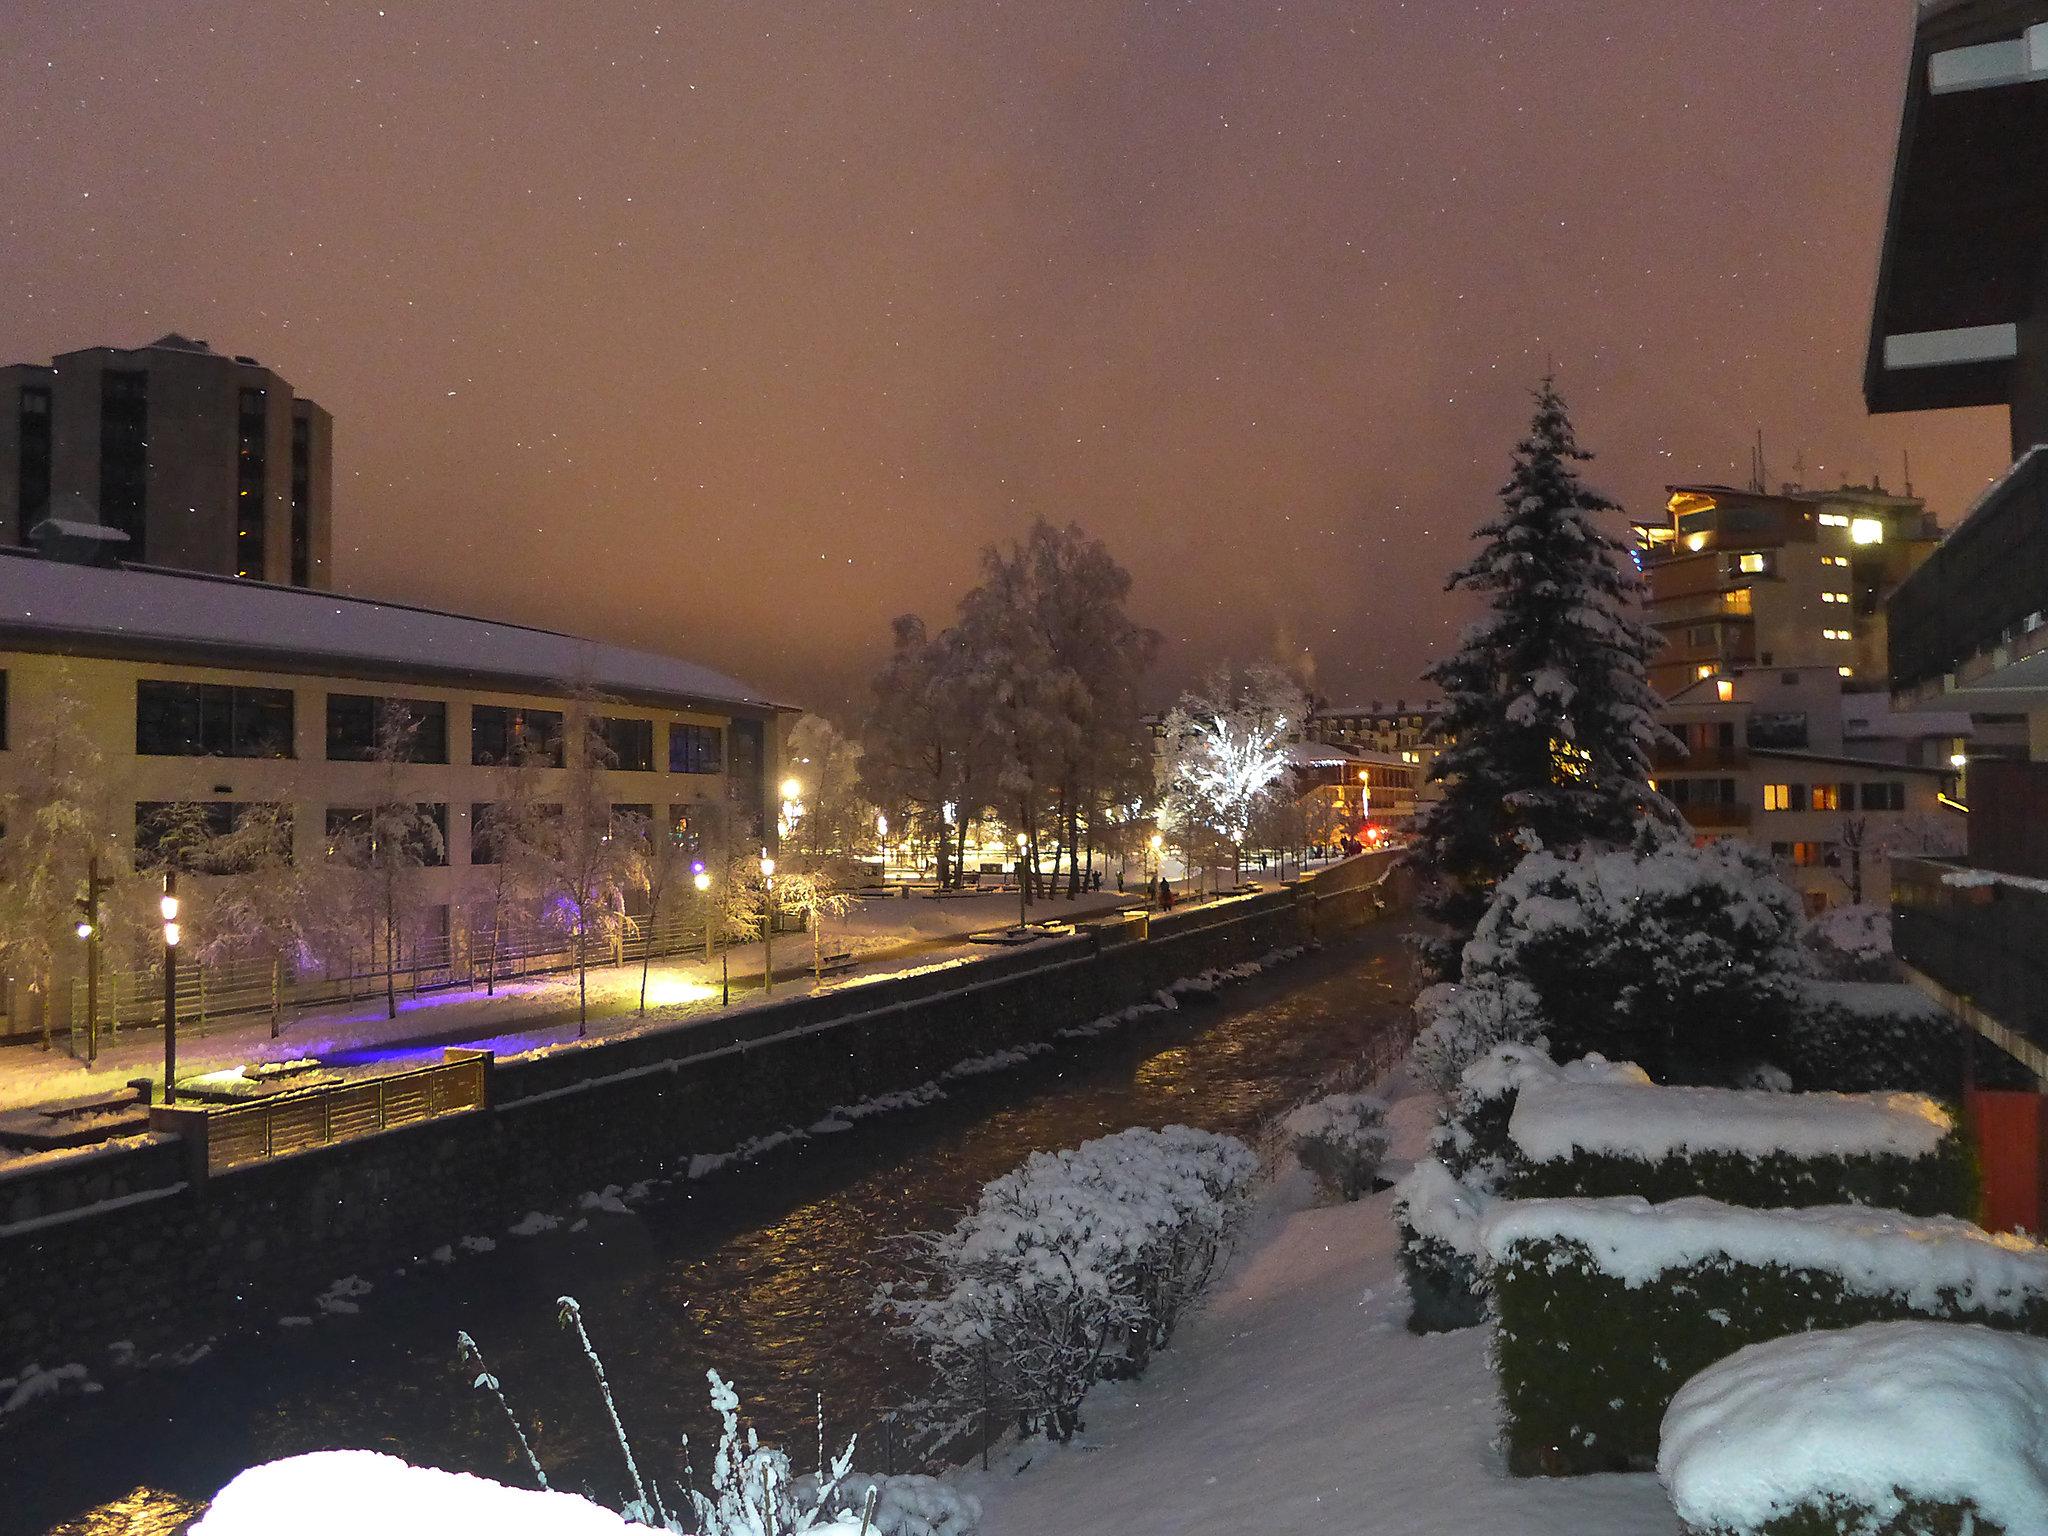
(169, 907)
(767, 923)
(1158, 855)
(1023, 891)
(89, 931)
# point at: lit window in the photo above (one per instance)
(1836, 634)
(1725, 689)
(1845, 671)
(1833, 520)
(1704, 670)
(1834, 559)
(1777, 797)
(1834, 597)
(1866, 530)
(1827, 797)
(1696, 542)
(1751, 563)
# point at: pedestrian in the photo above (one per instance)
(1165, 894)
(1119, 879)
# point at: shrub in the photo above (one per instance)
(1744, 1147)
(1686, 959)
(1852, 943)
(1862, 1036)
(907, 1504)
(1458, 1025)
(1072, 1268)
(1606, 1307)
(1935, 1429)
(1342, 1140)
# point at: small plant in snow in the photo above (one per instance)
(1342, 1140)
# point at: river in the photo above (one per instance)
(763, 1271)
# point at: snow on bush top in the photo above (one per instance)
(1434, 1202)
(345, 1493)
(1872, 1416)
(1924, 1260)
(1553, 1120)
(1511, 1067)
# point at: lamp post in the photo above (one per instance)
(1023, 891)
(1158, 846)
(169, 907)
(767, 923)
(89, 931)
(701, 879)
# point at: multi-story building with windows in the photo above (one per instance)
(1744, 578)
(170, 454)
(210, 694)
(1404, 734)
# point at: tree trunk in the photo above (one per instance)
(390, 953)
(582, 982)
(1073, 848)
(276, 996)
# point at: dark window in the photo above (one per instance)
(302, 498)
(1778, 730)
(32, 469)
(744, 788)
(631, 743)
(124, 457)
(211, 720)
(352, 721)
(175, 832)
(483, 848)
(695, 749)
(251, 463)
(498, 734)
(645, 814)
(348, 823)
(1884, 797)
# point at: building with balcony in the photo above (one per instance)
(169, 454)
(1792, 579)
(1352, 791)
(221, 693)
(1402, 733)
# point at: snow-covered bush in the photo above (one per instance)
(1852, 943)
(1342, 1140)
(345, 1493)
(1458, 1025)
(906, 1504)
(1605, 1308)
(1855, 1036)
(1071, 1268)
(1751, 1147)
(1686, 959)
(1887, 1429)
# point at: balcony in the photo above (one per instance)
(1699, 760)
(1725, 817)
(1986, 944)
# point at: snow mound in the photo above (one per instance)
(906, 1504)
(1931, 1262)
(1555, 1119)
(1513, 1066)
(1436, 1203)
(1871, 1416)
(344, 1493)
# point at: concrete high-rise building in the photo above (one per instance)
(1743, 578)
(170, 454)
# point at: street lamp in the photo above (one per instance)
(701, 879)
(1023, 891)
(169, 907)
(767, 923)
(88, 930)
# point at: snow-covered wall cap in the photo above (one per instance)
(183, 616)
(1513, 1066)
(1938, 1411)
(1554, 1120)
(1921, 1260)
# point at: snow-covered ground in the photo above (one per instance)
(894, 934)
(1299, 1402)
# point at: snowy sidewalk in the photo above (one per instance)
(1298, 1403)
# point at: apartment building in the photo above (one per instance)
(170, 454)
(1403, 733)
(1353, 791)
(1745, 578)
(222, 693)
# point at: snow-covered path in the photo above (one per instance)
(1300, 1403)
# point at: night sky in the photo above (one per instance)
(735, 329)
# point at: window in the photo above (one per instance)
(1837, 634)
(682, 828)
(498, 734)
(32, 467)
(630, 742)
(1842, 560)
(1752, 565)
(251, 455)
(1845, 671)
(1826, 797)
(1834, 597)
(1866, 530)
(211, 720)
(696, 749)
(642, 817)
(1884, 797)
(1737, 601)
(1805, 855)
(1777, 797)
(124, 457)
(1704, 670)
(357, 824)
(1782, 730)
(1833, 520)
(174, 832)
(352, 723)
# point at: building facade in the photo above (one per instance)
(218, 694)
(196, 460)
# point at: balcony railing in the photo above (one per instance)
(1716, 817)
(1986, 943)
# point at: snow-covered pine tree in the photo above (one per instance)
(1548, 713)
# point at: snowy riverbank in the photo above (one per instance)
(1299, 1402)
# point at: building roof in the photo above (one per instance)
(1781, 754)
(179, 617)
(1969, 209)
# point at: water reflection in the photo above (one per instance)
(764, 1271)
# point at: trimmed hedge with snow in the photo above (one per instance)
(1885, 1429)
(1899, 1151)
(1606, 1307)
(1073, 1268)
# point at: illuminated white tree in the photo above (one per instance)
(1226, 753)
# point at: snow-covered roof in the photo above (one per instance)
(1872, 715)
(1555, 1119)
(184, 617)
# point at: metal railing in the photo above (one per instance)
(234, 1136)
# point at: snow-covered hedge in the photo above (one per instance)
(1342, 1140)
(1885, 1429)
(1748, 1147)
(1852, 943)
(1072, 1268)
(1437, 1204)
(905, 1504)
(1686, 959)
(1606, 1307)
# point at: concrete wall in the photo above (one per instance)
(167, 1257)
